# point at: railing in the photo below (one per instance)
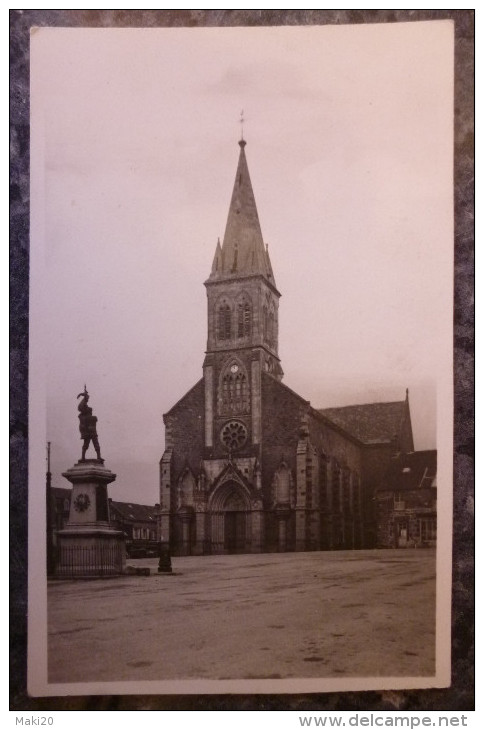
(94, 561)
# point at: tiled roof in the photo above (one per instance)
(61, 492)
(136, 512)
(411, 471)
(371, 423)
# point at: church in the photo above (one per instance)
(249, 465)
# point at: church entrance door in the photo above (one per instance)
(235, 532)
(230, 521)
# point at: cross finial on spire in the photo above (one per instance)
(242, 120)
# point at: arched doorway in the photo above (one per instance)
(230, 520)
(235, 525)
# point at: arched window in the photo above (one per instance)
(283, 485)
(224, 324)
(335, 487)
(186, 489)
(346, 491)
(356, 492)
(234, 391)
(323, 481)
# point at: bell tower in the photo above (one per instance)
(242, 340)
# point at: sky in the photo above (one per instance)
(134, 153)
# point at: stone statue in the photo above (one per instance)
(87, 425)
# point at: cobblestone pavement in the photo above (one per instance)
(338, 614)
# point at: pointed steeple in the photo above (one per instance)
(243, 251)
(217, 260)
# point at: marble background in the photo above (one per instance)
(460, 696)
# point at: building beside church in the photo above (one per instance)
(249, 465)
(138, 524)
(406, 502)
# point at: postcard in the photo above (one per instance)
(241, 358)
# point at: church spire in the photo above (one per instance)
(243, 252)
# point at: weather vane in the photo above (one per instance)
(242, 120)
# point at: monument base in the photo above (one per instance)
(88, 547)
(90, 552)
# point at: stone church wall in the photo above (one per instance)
(340, 498)
(282, 410)
(326, 467)
(185, 431)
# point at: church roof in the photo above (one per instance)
(137, 512)
(242, 252)
(370, 423)
(61, 492)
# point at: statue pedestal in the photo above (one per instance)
(88, 546)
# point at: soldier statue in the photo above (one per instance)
(87, 425)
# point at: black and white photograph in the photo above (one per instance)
(241, 359)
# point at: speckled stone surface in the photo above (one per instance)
(460, 696)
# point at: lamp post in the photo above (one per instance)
(49, 525)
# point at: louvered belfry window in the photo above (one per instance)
(243, 319)
(224, 324)
(269, 320)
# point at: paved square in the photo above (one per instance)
(320, 614)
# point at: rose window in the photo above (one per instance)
(233, 435)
